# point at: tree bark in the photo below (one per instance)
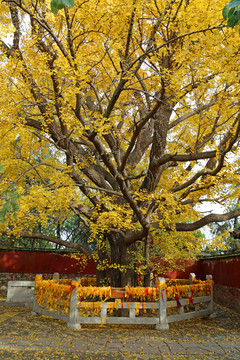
(122, 271)
(101, 270)
(147, 253)
(115, 242)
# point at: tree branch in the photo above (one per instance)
(223, 151)
(68, 244)
(206, 220)
(142, 57)
(139, 127)
(185, 157)
(192, 113)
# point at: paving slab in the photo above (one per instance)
(174, 347)
(27, 337)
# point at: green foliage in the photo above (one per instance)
(71, 229)
(232, 245)
(9, 199)
(57, 5)
(22, 243)
(231, 13)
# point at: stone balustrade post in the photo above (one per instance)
(163, 322)
(210, 305)
(132, 310)
(56, 277)
(192, 277)
(104, 313)
(74, 318)
(35, 306)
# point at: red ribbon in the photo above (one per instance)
(71, 288)
(178, 302)
(190, 299)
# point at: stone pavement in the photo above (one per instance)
(24, 336)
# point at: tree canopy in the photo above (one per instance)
(125, 113)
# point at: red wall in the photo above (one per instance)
(225, 271)
(190, 267)
(42, 262)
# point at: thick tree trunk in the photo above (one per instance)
(101, 277)
(122, 271)
(147, 274)
(101, 270)
(129, 276)
(115, 260)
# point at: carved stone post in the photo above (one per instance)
(74, 318)
(132, 310)
(104, 313)
(35, 306)
(192, 277)
(163, 322)
(56, 277)
(210, 305)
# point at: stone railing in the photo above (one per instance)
(159, 313)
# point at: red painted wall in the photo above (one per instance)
(225, 271)
(190, 267)
(42, 263)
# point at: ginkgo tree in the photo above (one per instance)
(138, 104)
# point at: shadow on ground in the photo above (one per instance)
(27, 337)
